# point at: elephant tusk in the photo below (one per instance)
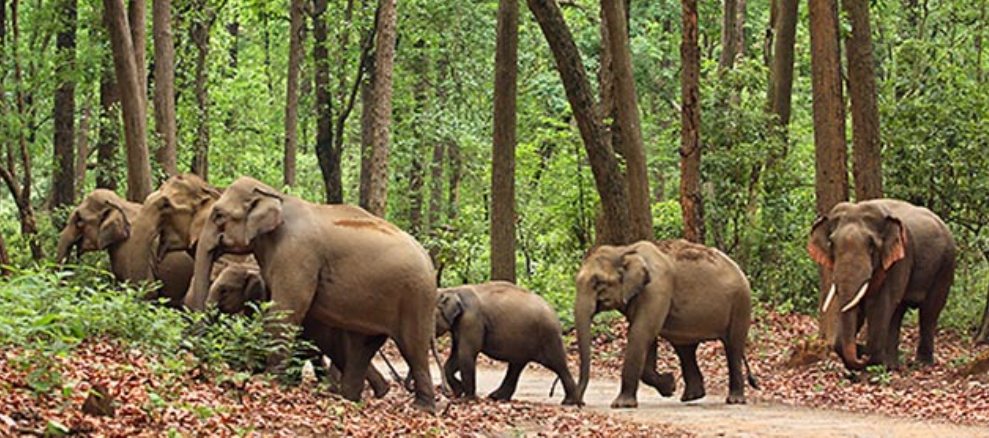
(858, 297)
(828, 299)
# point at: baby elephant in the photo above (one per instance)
(506, 323)
(240, 284)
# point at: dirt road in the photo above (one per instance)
(711, 417)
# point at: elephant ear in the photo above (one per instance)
(451, 307)
(635, 275)
(819, 245)
(265, 214)
(114, 227)
(894, 242)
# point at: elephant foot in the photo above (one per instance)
(572, 402)
(500, 395)
(624, 401)
(924, 360)
(666, 385)
(735, 399)
(380, 391)
(427, 406)
(691, 394)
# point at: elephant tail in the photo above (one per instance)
(748, 374)
(552, 389)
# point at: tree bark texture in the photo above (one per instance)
(296, 25)
(136, 13)
(63, 170)
(108, 140)
(164, 93)
(729, 18)
(384, 57)
(607, 175)
(131, 99)
(324, 107)
(367, 108)
(830, 149)
(504, 141)
(866, 145)
(199, 31)
(691, 201)
(627, 111)
(781, 68)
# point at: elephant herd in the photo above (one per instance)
(352, 280)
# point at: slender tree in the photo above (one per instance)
(82, 148)
(164, 93)
(131, 99)
(607, 175)
(729, 33)
(108, 139)
(503, 150)
(384, 57)
(199, 33)
(136, 19)
(784, 30)
(691, 201)
(296, 26)
(866, 160)
(627, 111)
(63, 171)
(324, 106)
(830, 150)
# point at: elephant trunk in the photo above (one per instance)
(206, 248)
(847, 348)
(68, 239)
(583, 312)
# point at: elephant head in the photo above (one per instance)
(858, 244)
(247, 210)
(450, 306)
(236, 286)
(610, 278)
(184, 203)
(97, 223)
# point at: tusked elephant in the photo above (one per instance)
(684, 292)
(885, 256)
(128, 232)
(506, 323)
(329, 266)
(240, 283)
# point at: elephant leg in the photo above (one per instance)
(450, 370)
(467, 362)
(413, 343)
(734, 352)
(879, 312)
(507, 388)
(664, 383)
(377, 382)
(893, 337)
(360, 350)
(930, 311)
(334, 375)
(291, 296)
(692, 378)
(641, 334)
(555, 358)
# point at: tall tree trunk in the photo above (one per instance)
(741, 8)
(607, 175)
(296, 26)
(729, 20)
(199, 33)
(109, 130)
(164, 97)
(136, 19)
(328, 163)
(132, 101)
(82, 149)
(830, 150)
(503, 148)
(367, 106)
(866, 147)
(384, 57)
(63, 172)
(781, 70)
(627, 111)
(691, 201)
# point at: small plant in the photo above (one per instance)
(879, 375)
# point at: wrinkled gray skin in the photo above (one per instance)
(329, 265)
(240, 283)
(683, 292)
(128, 232)
(506, 323)
(905, 254)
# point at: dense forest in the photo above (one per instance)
(509, 138)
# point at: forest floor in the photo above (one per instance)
(810, 400)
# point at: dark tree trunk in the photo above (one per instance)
(296, 29)
(109, 131)
(607, 175)
(63, 171)
(830, 150)
(503, 148)
(329, 162)
(729, 46)
(384, 57)
(199, 31)
(866, 147)
(781, 69)
(367, 105)
(691, 201)
(129, 84)
(164, 95)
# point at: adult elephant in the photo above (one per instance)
(684, 292)
(329, 265)
(885, 256)
(128, 232)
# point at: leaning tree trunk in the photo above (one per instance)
(132, 100)
(867, 163)
(164, 97)
(296, 26)
(63, 171)
(690, 116)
